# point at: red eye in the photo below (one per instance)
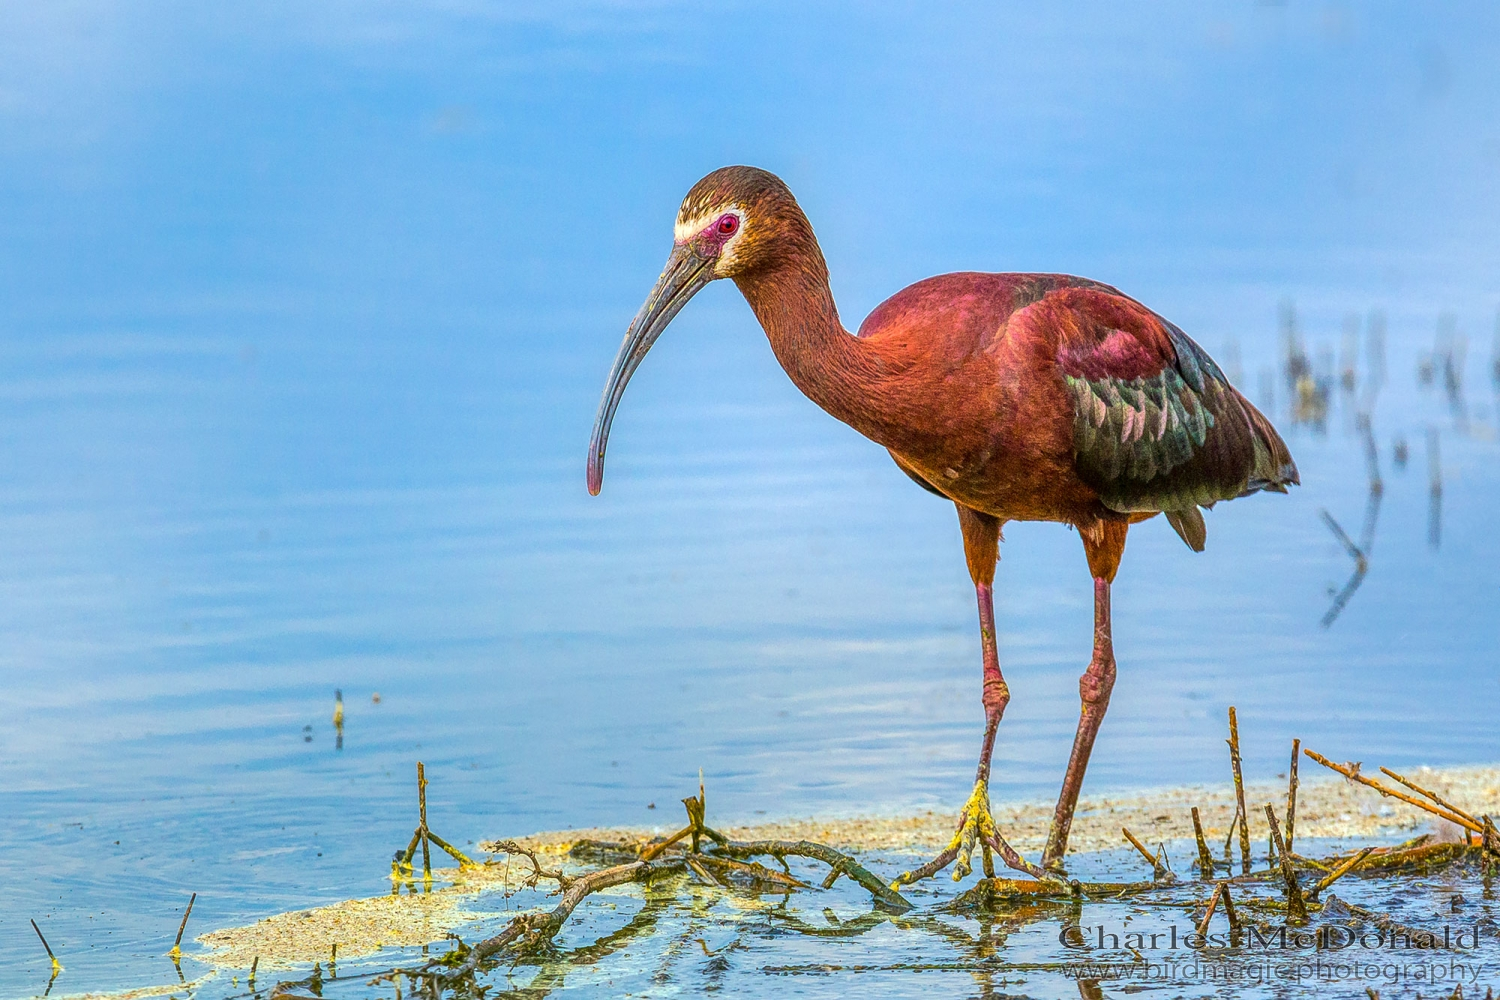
(729, 225)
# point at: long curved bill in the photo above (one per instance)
(686, 272)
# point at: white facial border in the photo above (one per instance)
(686, 229)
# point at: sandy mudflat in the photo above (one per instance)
(1326, 807)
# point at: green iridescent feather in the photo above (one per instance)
(1130, 434)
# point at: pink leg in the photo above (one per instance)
(996, 693)
(1094, 688)
(976, 828)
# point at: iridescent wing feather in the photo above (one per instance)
(1156, 425)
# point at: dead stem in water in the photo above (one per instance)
(1295, 907)
(1339, 872)
(1291, 796)
(401, 865)
(1205, 859)
(56, 965)
(1159, 872)
(1239, 791)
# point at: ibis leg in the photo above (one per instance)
(1094, 687)
(976, 827)
(996, 694)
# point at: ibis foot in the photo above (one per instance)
(976, 827)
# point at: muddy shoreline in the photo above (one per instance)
(1328, 808)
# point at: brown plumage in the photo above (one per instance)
(1035, 397)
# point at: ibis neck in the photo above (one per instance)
(832, 367)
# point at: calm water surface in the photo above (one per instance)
(303, 320)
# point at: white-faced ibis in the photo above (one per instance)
(1030, 397)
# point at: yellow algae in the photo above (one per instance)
(358, 926)
(143, 992)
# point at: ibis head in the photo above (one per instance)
(732, 223)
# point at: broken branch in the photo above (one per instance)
(56, 965)
(1340, 871)
(1213, 902)
(1352, 773)
(535, 931)
(537, 871)
(885, 896)
(176, 951)
(1159, 871)
(1430, 794)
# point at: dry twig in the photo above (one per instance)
(1352, 773)
(723, 868)
(532, 932)
(1430, 794)
(655, 849)
(537, 871)
(885, 897)
(1159, 872)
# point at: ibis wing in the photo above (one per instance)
(1156, 425)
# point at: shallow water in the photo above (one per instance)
(305, 319)
(1418, 932)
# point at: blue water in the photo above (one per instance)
(304, 314)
